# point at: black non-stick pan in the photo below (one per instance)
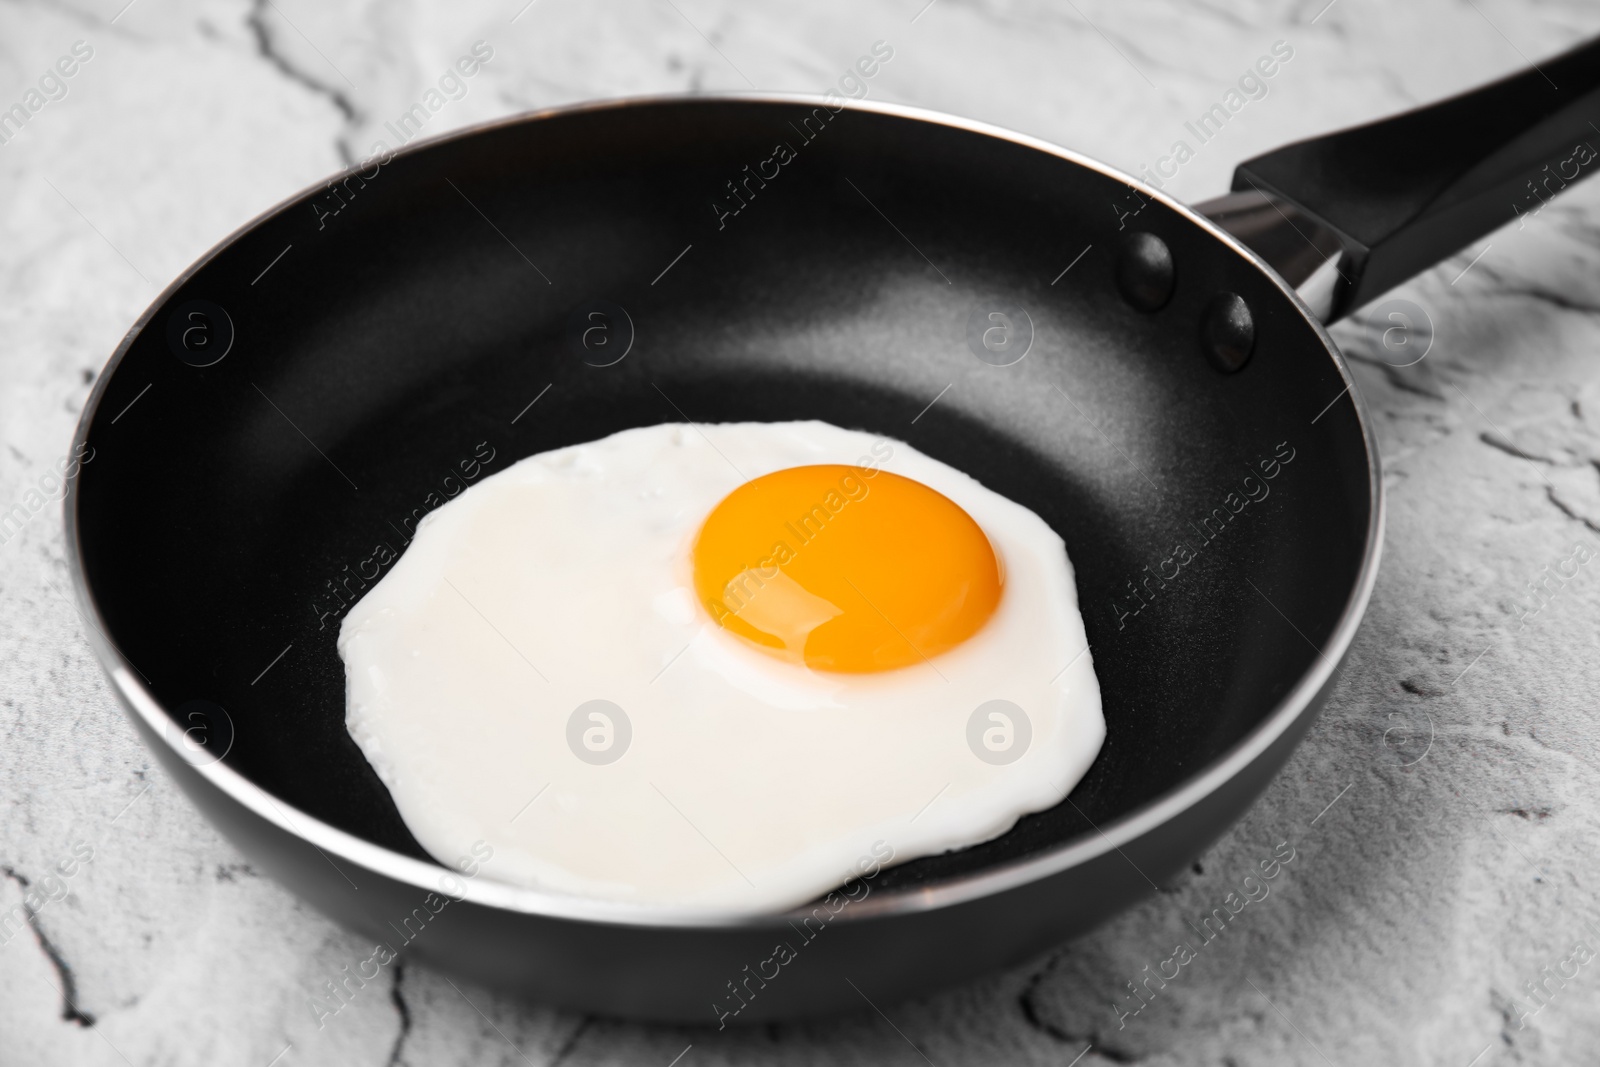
(1160, 391)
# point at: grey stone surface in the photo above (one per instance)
(1459, 856)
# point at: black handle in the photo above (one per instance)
(1404, 193)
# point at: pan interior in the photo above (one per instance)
(768, 260)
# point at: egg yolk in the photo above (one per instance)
(843, 568)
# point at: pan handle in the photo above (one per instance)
(1351, 214)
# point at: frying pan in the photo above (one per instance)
(1162, 392)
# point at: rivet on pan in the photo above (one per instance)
(1228, 332)
(1144, 271)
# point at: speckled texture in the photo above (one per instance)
(1456, 860)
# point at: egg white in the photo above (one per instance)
(749, 784)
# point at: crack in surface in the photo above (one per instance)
(571, 1042)
(1550, 492)
(69, 982)
(1499, 284)
(1392, 374)
(227, 872)
(266, 49)
(1027, 1004)
(1551, 297)
(1494, 440)
(1523, 813)
(397, 998)
(1030, 1009)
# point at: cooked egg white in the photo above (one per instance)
(538, 672)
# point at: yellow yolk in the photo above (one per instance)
(845, 569)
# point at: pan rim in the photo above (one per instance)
(959, 889)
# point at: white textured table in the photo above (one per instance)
(1462, 854)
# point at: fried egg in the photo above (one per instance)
(711, 666)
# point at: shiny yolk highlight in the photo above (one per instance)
(845, 569)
